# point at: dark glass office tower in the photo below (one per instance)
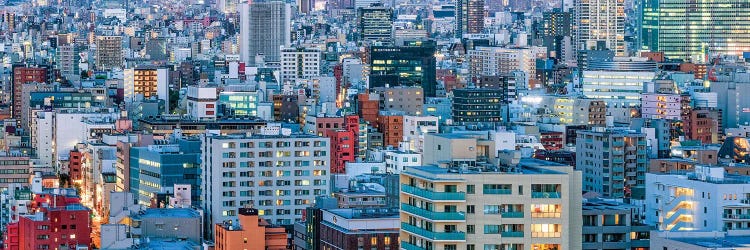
(693, 29)
(411, 64)
(375, 23)
(477, 106)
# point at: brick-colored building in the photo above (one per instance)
(703, 125)
(343, 148)
(74, 165)
(251, 233)
(551, 140)
(369, 106)
(21, 76)
(392, 127)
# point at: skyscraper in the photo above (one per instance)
(375, 23)
(469, 17)
(600, 21)
(412, 64)
(697, 29)
(264, 28)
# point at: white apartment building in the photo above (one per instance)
(493, 61)
(661, 106)
(534, 205)
(704, 200)
(397, 160)
(299, 63)
(280, 175)
(600, 22)
(415, 127)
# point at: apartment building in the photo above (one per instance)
(533, 204)
(300, 63)
(277, 173)
(707, 199)
(613, 162)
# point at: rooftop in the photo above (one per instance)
(597, 204)
(710, 242)
(169, 244)
(169, 213)
(369, 213)
(525, 166)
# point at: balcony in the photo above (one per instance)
(512, 214)
(736, 216)
(432, 215)
(618, 160)
(551, 195)
(408, 246)
(512, 234)
(618, 169)
(434, 236)
(430, 195)
(618, 143)
(497, 191)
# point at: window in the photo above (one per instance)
(470, 189)
(545, 230)
(491, 229)
(469, 209)
(470, 229)
(470, 247)
(491, 209)
(450, 247)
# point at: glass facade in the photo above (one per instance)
(239, 103)
(696, 29)
(412, 64)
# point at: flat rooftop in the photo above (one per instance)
(709, 242)
(355, 213)
(525, 166)
(169, 213)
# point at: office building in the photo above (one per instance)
(249, 232)
(14, 170)
(409, 64)
(613, 162)
(401, 99)
(707, 199)
(580, 111)
(600, 24)
(109, 52)
(239, 103)
(146, 83)
(21, 76)
(272, 19)
(477, 107)
(68, 58)
(496, 61)
(619, 83)
(155, 168)
(299, 63)
(277, 173)
(674, 29)
(375, 24)
(531, 204)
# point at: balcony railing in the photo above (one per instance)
(431, 195)
(512, 214)
(545, 195)
(432, 215)
(408, 246)
(434, 236)
(737, 216)
(512, 234)
(497, 191)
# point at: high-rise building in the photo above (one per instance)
(21, 76)
(469, 17)
(146, 83)
(411, 64)
(556, 34)
(613, 161)
(67, 59)
(109, 52)
(538, 206)
(280, 175)
(600, 22)
(264, 28)
(492, 61)
(696, 30)
(477, 106)
(619, 83)
(299, 63)
(375, 24)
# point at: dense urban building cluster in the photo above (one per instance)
(375, 124)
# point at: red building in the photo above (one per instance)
(344, 142)
(392, 127)
(369, 106)
(59, 221)
(703, 125)
(343, 149)
(23, 75)
(74, 165)
(551, 140)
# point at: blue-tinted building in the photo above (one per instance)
(156, 168)
(239, 103)
(439, 107)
